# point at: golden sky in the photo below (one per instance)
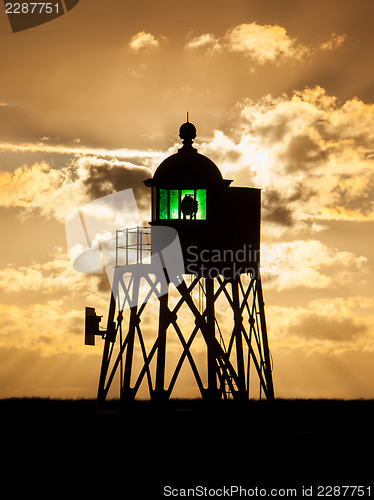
(281, 93)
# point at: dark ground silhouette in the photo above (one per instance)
(55, 447)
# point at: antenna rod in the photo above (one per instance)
(187, 116)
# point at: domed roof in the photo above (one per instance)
(187, 168)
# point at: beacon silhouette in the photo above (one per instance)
(200, 326)
(218, 225)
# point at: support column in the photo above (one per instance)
(237, 332)
(267, 366)
(159, 392)
(212, 391)
(127, 392)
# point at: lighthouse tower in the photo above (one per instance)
(210, 314)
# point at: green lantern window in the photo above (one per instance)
(174, 204)
(201, 200)
(163, 214)
(182, 204)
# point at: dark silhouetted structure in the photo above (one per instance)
(212, 317)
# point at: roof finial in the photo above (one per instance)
(187, 132)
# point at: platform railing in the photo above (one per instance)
(133, 246)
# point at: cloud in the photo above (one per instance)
(49, 277)
(334, 42)
(263, 43)
(326, 325)
(308, 264)
(260, 43)
(340, 213)
(143, 41)
(207, 42)
(101, 177)
(46, 328)
(58, 192)
(277, 208)
(58, 149)
(353, 121)
(317, 326)
(44, 307)
(309, 153)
